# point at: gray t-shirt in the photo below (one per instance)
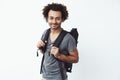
(51, 67)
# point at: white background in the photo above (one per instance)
(22, 24)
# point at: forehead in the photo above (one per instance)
(53, 13)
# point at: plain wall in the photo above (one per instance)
(22, 24)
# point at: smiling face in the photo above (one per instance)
(54, 19)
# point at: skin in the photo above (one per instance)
(54, 20)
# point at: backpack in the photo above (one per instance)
(73, 32)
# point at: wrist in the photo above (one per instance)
(58, 55)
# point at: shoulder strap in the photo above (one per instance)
(44, 39)
(57, 44)
(60, 38)
(46, 35)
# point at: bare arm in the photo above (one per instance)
(71, 58)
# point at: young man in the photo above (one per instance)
(55, 14)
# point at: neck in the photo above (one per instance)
(56, 30)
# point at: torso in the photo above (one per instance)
(53, 37)
(51, 67)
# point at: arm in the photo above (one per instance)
(71, 58)
(70, 45)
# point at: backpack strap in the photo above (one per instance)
(46, 35)
(44, 48)
(44, 39)
(57, 44)
(60, 38)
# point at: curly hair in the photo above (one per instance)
(55, 7)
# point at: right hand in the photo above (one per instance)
(41, 44)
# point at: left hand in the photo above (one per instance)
(55, 51)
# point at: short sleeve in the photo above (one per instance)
(71, 44)
(43, 35)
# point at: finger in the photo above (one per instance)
(51, 52)
(40, 44)
(52, 48)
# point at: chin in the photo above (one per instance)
(54, 27)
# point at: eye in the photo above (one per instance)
(51, 18)
(58, 18)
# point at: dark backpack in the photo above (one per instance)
(75, 35)
(58, 41)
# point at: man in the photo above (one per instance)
(55, 14)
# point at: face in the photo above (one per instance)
(54, 19)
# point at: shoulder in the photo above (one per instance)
(69, 43)
(69, 36)
(45, 32)
(68, 39)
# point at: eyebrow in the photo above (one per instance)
(54, 17)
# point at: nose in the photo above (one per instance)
(54, 21)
